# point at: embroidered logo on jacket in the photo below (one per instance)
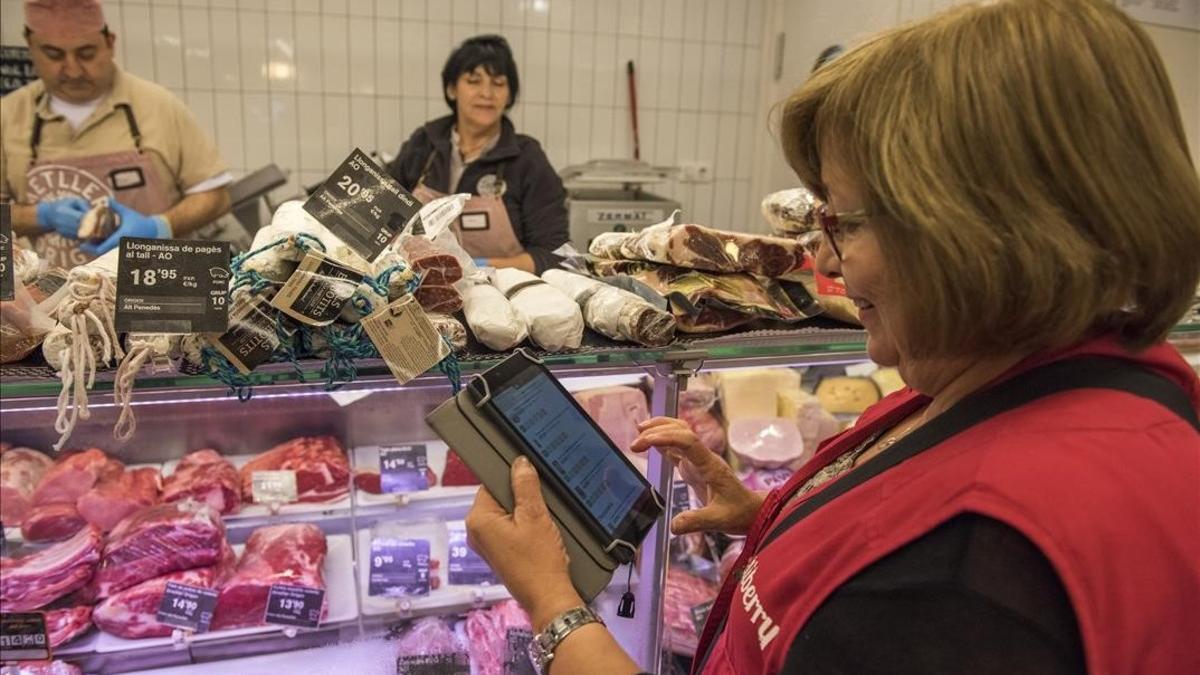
(767, 628)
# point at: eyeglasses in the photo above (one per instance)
(835, 226)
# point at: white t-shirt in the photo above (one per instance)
(75, 113)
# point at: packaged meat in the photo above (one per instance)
(42, 668)
(792, 211)
(291, 231)
(132, 613)
(51, 522)
(26, 264)
(615, 313)
(70, 476)
(434, 265)
(754, 392)
(119, 495)
(492, 318)
(457, 473)
(39, 578)
(322, 469)
(555, 322)
(701, 248)
(438, 299)
(20, 471)
(683, 592)
(25, 321)
(495, 638)
(830, 293)
(292, 554)
(158, 540)
(67, 623)
(399, 274)
(429, 645)
(618, 411)
(207, 477)
(847, 395)
(768, 443)
(815, 423)
(451, 329)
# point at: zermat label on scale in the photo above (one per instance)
(23, 637)
(294, 605)
(172, 286)
(187, 607)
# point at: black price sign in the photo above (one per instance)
(700, 614)
(8, 285)
(23, 637)
(402, 468)
(457, 663)
(294, 605)
(187, 607)
(399, 567)
(172, 286)
(516, 653)
(362, 205)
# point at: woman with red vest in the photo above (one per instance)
(1010, 203)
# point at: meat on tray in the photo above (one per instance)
(322, 470)
(118, 495)
(438, 298)
(488, 636)
(457, 473)
(292, 554)
(427, 636)
(206, 476)
(40, 578)
(67, 623)
(434, 265)
(45, 668)
(51, 522)
(158, 540)
(133, 612)
(70, 477)
(20, 471)
(683, 591)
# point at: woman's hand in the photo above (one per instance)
(729, 506)
(525, 549)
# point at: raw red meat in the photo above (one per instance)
(68, 623)
(44, 668)
(684, 591)
(292, 554)
(487, 636)
(70, 477)
(322, 470)
(118, 495)
(206, 476)
(438, 299)
(158, 540)
(132, 613)
(42, 577)
(435, 266)
(20, 471)
(428, 637)
(51, 522)
(457, 473)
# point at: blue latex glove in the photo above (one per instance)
(481, 262)
(133, 224)
(62, 216)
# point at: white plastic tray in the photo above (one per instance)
(250, 510)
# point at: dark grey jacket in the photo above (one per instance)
(535, 198)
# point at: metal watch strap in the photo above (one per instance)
(542, 646)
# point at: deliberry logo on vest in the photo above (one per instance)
(55, 181)
(767, 628)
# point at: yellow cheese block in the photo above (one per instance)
(847, 395)
(888, 380)
(754, 392)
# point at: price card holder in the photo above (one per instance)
(362, 205)
(8, 285)
(294, 606)
(466, 567)
(516, 652)
(187, 607)
(700, 614)
(405, 338)
(273, 487)
(172, 286)
(399, 567)
(317, 290)
(403, 468)
(23, 637)
(457, 663)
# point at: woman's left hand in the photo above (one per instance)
(524, 548)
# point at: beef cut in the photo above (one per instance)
(70, 477)
(206, 476)
(322, 470)
(438, 298)
(435, 266)
(488, 638)
(132, 613)
(683, 591)
(158, 540)
(67, 623)
(40, 578)
(457, 473)
(292, 554)
(51, 522)
(118, 495)
(20, 471)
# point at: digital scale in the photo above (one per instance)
(607, 195)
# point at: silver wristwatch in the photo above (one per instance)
(542, 646)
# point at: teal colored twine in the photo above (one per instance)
(226, 373)
(450, 368)
(385, 277)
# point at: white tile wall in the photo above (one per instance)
(300, 82)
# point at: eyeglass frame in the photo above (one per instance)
(832, 228)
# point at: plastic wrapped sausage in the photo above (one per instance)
(555, 321)
(615, 313)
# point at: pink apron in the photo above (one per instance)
(128, 176)
(484, 229)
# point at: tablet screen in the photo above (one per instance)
(567, 443)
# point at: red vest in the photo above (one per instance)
(1105, 483)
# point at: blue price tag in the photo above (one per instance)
(403, 468)
(466, 568)
(398, 567)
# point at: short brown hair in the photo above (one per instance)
(1028, 164)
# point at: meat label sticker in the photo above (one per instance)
(8, 288)
(187, 607)
(456, 663)
(399, 567)
(23, 637)
(252, 336)
(405, 338)
(317, 290)
(466, 567)
(516, 652)
(700, 614)
(362, 205)
(277, 487)
(172, 286)
(402, 468)
(294, 606)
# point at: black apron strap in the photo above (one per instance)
(35, 136)
(425, 169)
(133, 125)
(1093, 372)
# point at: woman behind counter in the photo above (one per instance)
(518, 216)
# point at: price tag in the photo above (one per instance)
(456, 663)
(405, 338)
(362, 205)
(681, 498)
(273, 486)
(172, 286)
(251, 338)
(187, 607)
(8, 286)
(516, 652)
(317, 290)
(23, 637)
(402, 468)
(398, 567)
(465, 567)
(294, 605)
(700, 614)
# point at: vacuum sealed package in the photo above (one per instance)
(615, 313)
(555, 322)
(791, 212)
(27, 319)
(492, 318)
(291, 233)
(403, 566)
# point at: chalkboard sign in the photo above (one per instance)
(16, 68)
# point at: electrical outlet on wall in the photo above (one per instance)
(696, 171)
